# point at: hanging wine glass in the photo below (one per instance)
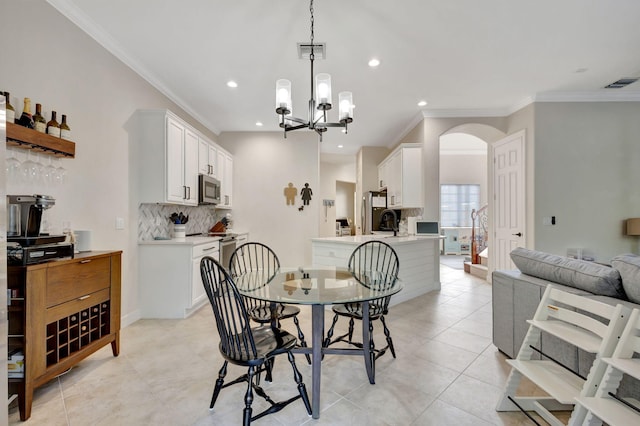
(29, 169)
(61, 175)
(39, 160)
(13, 166)
(50, 172)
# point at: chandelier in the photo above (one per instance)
(317, 119)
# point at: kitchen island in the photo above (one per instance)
(419, 258)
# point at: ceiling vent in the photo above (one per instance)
(319, 50)
(623, 82)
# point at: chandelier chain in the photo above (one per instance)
(312, 32)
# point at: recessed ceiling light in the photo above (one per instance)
(232, 84)
(374, 63)
(259, 123)
(422, 103)
(340, 146)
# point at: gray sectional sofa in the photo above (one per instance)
(517, 293)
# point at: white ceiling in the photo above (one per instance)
(465, 57)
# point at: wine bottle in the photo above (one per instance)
(65, 131)
(11, 112)
(26, 119)
(39, 122)
(53, 128)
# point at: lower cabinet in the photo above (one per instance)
(170, 282)
(59, 313)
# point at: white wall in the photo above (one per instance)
(264, 164)
(47, 58)
(587, 159)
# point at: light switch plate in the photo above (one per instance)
(119, 223)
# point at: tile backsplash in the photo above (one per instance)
(153, 219)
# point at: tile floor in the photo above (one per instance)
(447, 372)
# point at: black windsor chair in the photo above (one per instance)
(242, 345)
(257, 257)
(373, 264)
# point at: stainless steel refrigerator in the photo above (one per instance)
(373, 204)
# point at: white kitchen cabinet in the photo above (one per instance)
(207, 157)
(170, 281)
(167, 159)
(382, 175)
(225, 176)
(401, 174)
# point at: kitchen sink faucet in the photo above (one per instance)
(395, 220)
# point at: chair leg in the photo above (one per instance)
(303, 343)
(372, 350)
(268, 365)
(301, 387)
(327, 341)
(248, 398)
(387, 333)
(351, 326)
(216, 390)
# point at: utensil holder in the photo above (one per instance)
(179, 230)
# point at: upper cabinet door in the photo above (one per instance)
(401, 174)
(175, 161)
(191, 168)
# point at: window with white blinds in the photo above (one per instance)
(456, 203)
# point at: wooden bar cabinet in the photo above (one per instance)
(60, 312)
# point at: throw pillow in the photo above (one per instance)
(587, 276)
(629, 267)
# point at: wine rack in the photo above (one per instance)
(71, 334)
(25, 138)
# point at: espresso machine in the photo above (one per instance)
(25, 243)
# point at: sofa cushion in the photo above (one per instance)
(587, 276)
(629, 267)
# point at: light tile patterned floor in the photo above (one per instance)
(447, 373)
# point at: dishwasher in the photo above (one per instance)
(227, 247)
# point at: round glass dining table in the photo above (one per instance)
(320, 286)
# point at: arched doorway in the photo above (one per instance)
(466, 176)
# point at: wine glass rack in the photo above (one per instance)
(25, 138)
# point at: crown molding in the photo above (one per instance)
(417, 119)
(601, 95)
(82, 21)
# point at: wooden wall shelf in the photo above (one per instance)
(25, 138)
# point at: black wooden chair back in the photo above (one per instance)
(375, 264)
(254, 257)
(236, 338)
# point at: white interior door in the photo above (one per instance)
(509, 199)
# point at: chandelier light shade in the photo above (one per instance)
(283, 96)
(319, 103)
(323, 89)
(345, 105)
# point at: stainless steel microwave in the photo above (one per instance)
(208, 190)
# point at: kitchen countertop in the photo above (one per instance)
(191, 241)
(390, 239)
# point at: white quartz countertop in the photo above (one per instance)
(389, 239)
(189, 241)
